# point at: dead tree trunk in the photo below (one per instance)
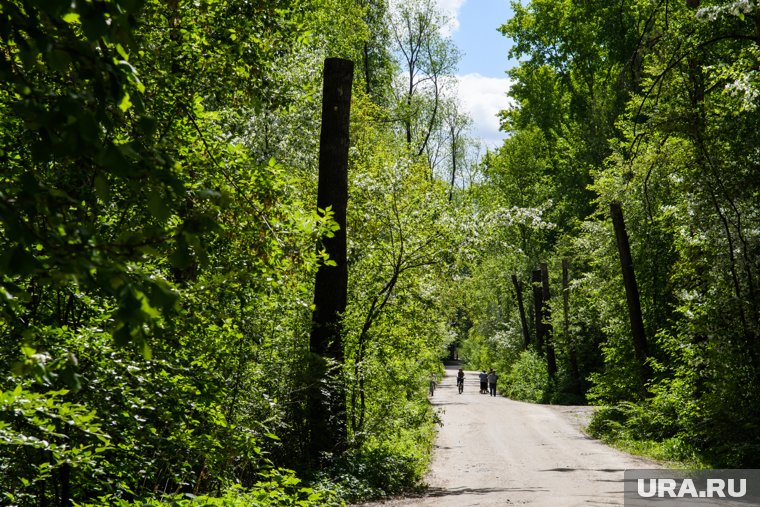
(551, 359)
(327, 398)
(631, 288)
(537, 305)
(521, 308)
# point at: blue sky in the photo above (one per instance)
(485, 49)
(483, 83)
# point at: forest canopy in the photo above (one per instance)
(160, 237)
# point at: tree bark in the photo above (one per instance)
(521, 308)
(537, 305)
(551, 359)
(452, 131)
(327, 398)
(631, 288)
(64, 475)
(367, 73)
(575, 375)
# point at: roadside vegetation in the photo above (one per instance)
(160, 239)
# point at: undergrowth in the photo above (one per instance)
(633, 428)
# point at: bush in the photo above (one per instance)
(277, 488)
(374, 473)
(643, 429)
(528, 379)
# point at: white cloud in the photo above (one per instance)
(483, 97)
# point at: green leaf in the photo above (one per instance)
(162, 296)
(157, 206)
(122, 52)
(22, 262)
(125, 103)
(71, 18)
(102, 188)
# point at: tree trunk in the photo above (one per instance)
(551, 360)
(327, 400)
(453, 133)
(631, 288)
(537, 305)
(367, 72)
(575, 375)
(521, 308)
(65, 476)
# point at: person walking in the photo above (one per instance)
(460, 380)
(492, 378)
(483, 376)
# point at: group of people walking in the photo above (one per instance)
(487, 381)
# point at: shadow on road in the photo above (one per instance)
(609, 470)
(440, 492)
(444, 403)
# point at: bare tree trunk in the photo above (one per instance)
(551, 360)
(521, 308)
(327, 399)
(631, 288)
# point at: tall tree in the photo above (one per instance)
(638, 333)
(538, 305)
(551, 358)
(327, 399)
(427, 60)
(521, 310)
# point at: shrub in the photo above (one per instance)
(277, 488)
(528, 379)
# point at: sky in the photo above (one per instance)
(483, 82)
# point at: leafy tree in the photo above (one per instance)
(132, 208)
(426, 59)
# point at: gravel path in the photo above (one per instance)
(493, 451)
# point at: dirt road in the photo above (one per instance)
(492, 451)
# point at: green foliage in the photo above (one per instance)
(276, 488)
(688, 198)
(158, 255)
(45, 424)
(639, 429)
(399, 226)
(377, 472)
(157, 245)
(527, 380)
